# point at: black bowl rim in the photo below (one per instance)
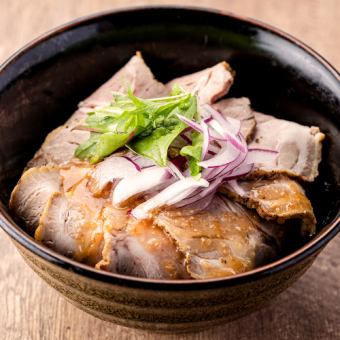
(21, 237)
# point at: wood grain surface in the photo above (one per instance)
(310, 309)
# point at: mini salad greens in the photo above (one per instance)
(194, 152)
(146, 126)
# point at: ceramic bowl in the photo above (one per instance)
(41, 85)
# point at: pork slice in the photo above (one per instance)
(221, 240)
(73, 174)
(60, 144)
(210, 84)
(135, 75)
(89, 229)
(31, 193)
(278, 199)
(59, 147)
(299, 147)
(142, 250)
(72, 225)
(238, 108)
(115, 222)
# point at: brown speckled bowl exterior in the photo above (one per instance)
(41, 85)
(166, 310)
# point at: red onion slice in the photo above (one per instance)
(138, 168)
(192, 124)
(227, 154)
(139, 160)
(240, 171)
(211, 174)
(227, 128)
(197, 127)
(211, 189)
(228, 124)
(222, 171)
(110, 169)
(199, 204)
(214, 148)
(143, 181)
(226, 137)
(218, 128)
(169, 196)
(174, 170)
(233, 185)
(223, 136)
(205, 145)
(236, 142)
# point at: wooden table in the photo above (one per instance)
(310, 309)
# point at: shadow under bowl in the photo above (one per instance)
(41, 85)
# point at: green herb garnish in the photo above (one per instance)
(194, 152)
(155, 145)
(146, 126)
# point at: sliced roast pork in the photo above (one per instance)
(71, 224)
(279, 199)
(73, 220)
(221, 240)
(73, 174)
(37, 185)
(30, 195)
(142, 250)
(60, 144)
(210, 84)
(238, 108)
(299, 147)
(58, 147)
(69, 219)
(135, 75)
